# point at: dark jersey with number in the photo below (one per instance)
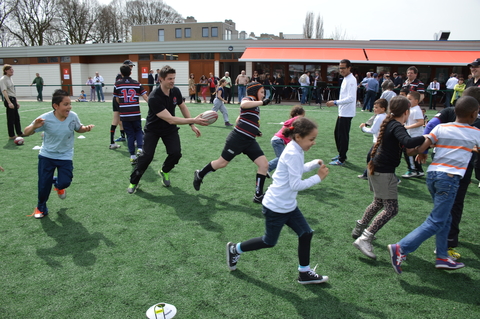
(249, 122)
(129, 92)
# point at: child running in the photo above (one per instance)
(414, 128)
(454, 143)
(127, 92)
(57, 149)
(379, 108)
(242, 140)
(385, 157)
(219, 102)
(280, 203)
(279, 141)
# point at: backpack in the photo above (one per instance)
(303, 79)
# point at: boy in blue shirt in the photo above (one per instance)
(57, 148)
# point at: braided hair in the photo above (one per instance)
(398, 106)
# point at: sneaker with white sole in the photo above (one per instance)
(410, 174)
(232, 256)
(38, 214)
(452, 253)
(448, 263)
(62, 193)
(336, 163)
(132, 188)
(311, 277)
(114, 146)
(165, 178)
(396, 257)
(120, 139)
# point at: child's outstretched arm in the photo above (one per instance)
(84, 128)
(29, 130)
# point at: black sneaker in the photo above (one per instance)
(197, 180)
(258, 199)
(232, 256)
(311, 277)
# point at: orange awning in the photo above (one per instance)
(421, 57)
(303, 55)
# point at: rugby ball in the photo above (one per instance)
(161, 311)
(19, 140)
(210, 116)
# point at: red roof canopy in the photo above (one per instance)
(302, 55)
(382, 56)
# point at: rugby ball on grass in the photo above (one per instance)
(19, 140)
(210, 116)
(161, 311)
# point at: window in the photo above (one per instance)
(158, 56)
(144, 57)
(53, 59)
(209, 56)
(171, 56)
(226, 56)
(42, 60)
(295, 70)
(214, 32)
(65, 59)
(228, 35)
(178, 33)
(205, 32)
(196, 56)
(161, 35)
(1, 61)
(188, 32)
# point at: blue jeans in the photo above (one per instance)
(369, 100)
(304, 95)
(274, 223)
(242, 89)
(134, 132)
(443, 189)
(46, 170)
(99, 90)
(278, 147)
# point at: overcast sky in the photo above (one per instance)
(360, 20)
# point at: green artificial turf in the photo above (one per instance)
(102, 253)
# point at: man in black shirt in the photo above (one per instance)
(162, 123)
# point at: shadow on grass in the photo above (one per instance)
(331, 307)
(72, 239)
(10, 145)
(450, 285)
(190, 207)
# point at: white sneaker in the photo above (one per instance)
(364, 244)
(114, 146)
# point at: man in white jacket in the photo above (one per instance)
(346, 111)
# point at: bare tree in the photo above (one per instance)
(319, 27)
(32, 21)
(141, 12)
(111, 24)
(6, 8)
(308, 26)
(339, 34)
(78, 17)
